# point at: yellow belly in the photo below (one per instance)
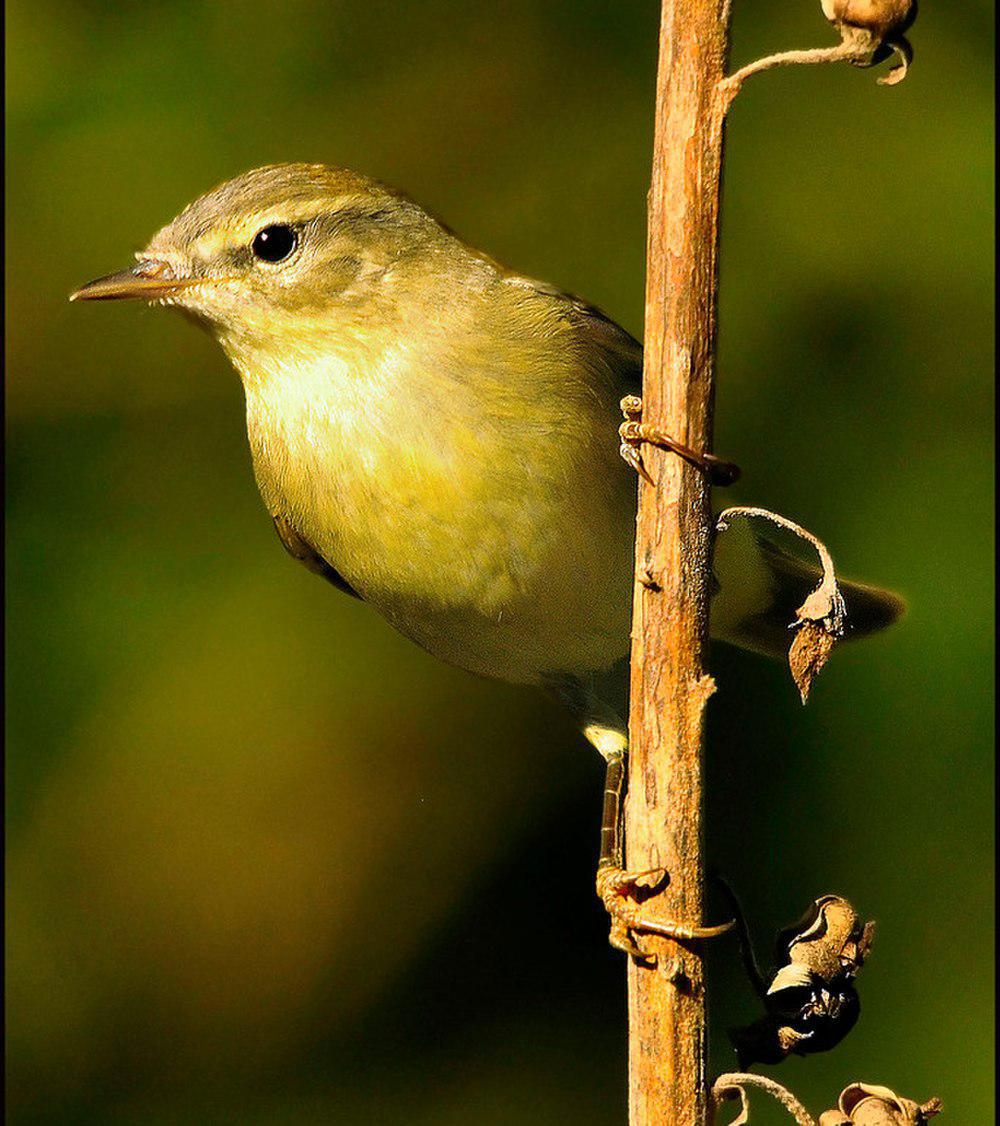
(503, 546)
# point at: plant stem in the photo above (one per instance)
(842, 52)
(667, 1027)
(737, 1082)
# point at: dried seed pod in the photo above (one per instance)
(875, 29)
(864, 1104)
(811, 1003)
(880, 17)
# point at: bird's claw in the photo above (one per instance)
(633, 432)
(617, 890)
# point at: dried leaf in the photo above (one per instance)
(898, 73)
(808, 653)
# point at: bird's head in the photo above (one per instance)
(268, 259)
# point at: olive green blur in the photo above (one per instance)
(268, 862)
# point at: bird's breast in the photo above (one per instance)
(491, 545)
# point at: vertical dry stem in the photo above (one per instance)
(667, 1034)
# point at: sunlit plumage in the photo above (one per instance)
(432, 431)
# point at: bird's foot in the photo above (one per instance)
(633, 432)
(621, 893)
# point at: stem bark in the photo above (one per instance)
(663, 821)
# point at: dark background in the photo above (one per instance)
(268, 862)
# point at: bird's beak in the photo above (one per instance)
(147, 280)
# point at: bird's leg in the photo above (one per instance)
(619, 890)
(633, 432)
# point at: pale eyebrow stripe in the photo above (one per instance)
(221, 238)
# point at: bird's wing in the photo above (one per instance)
(602, 341)
(300, 549)
(621, 352)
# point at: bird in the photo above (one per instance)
(438, 435)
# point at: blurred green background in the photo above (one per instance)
(268, 862)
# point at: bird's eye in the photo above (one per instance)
(274, 243)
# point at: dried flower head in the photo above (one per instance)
(811, 1003)
(864, 1104)
(881, 17)
(875, 28)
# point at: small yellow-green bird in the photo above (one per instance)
(437, 434)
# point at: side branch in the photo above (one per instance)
(870, 33)
(842, 52)
(734, 1084)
